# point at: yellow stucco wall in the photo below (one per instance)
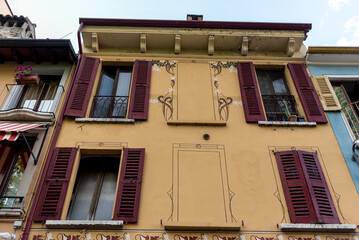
(189, 179)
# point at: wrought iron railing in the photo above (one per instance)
(11, 202)
(351, 112)
(109, 106)
(275, 107)
(39, 98)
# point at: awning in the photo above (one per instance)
(11, 131)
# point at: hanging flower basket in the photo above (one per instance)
(25, 76)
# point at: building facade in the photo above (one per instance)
(335, 73)
(29, 111)
(193, 130)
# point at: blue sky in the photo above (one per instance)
(334, 22)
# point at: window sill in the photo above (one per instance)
(287, 123)
(25, 115)
(12, 213)
(108, 224)
(105, 120)
(201, 226)
(197, 123)
(297, 227)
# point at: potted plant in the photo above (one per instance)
(24, 75)
(292, 118)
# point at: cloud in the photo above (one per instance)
(345, 42)
(351, 27)
(337, 4)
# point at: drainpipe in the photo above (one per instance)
(79, 37)
(48, 159)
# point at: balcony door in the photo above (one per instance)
(111, 100)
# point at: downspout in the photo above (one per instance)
(79, 37)
(48, 159)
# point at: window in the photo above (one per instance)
(39, 101)
(348, 96)
(95, 196)
(13, 161)
(95, 188)
(39, 97)
(274, 84)
(305, 189)
(112, 99)
(277, 100)
(112, 93)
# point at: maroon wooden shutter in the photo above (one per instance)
(252, 103)
(129, 189)
(81, 90)
(56, 183)
(311, 104)
(140, 92)
(297, 196)
(318, 188)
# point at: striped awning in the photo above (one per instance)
(11, 131)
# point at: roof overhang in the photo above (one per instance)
(37, 50)
(210, 37)
(340, 55)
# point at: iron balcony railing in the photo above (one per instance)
(350, 113)
(109, 106)
(11, 202)
(275, 106)
(38, 98)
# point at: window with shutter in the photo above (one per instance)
(114, 98)
(94, 196)
(274, 102)
(307, 94)
(305, 189)
(56, 183)
(13, 162)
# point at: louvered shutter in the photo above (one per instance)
(129, 187)
(295, 190)
(81, 89)
(326, 93)
(252, 103)
(307, 94)
(318, 188)
(54, 191)
(140, 92)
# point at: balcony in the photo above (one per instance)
(274, 106)
(109, 107)
(29, 102)
(350, 113)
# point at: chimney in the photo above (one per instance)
(194, 17)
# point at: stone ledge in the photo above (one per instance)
(287, 123)
(297, 227)
(105, 120)
(201, 226)
(10, 213)
(26, 115)
(108, 224)
(197, 123)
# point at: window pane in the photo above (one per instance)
(86, 183)
(108, 190)
(122, 90)
(49, 93)
(103, 102)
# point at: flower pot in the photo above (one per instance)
(28, 80)
(292, 118)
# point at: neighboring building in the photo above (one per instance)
(336, 75)
(179, 130)
(14, 27)
(29, 113)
